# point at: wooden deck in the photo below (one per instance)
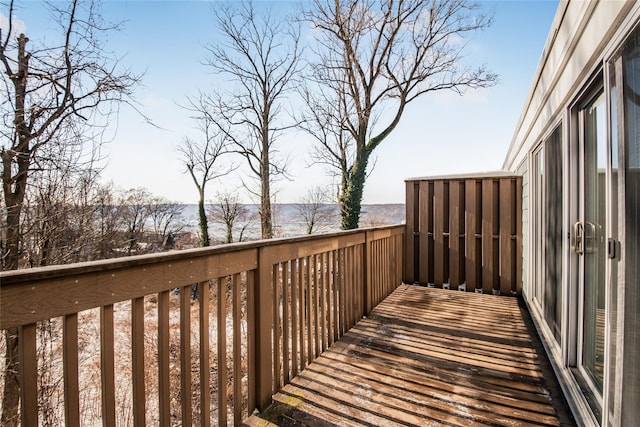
(428, 357)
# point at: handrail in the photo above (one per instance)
(285, 301)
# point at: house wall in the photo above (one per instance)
(585, 37)
(522, 170)
(581, 33)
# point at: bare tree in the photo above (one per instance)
(375, 58)
(202, 158)
(106, 222)
(57, 220)
(134, 213)
(261, 56)
(167, 221)
(229, 211)
(315, 210)
(51, 92)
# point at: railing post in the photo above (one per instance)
(263, 320)
(366, 287)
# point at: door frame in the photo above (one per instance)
(574, 306)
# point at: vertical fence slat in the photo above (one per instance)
(330, 300)
(361, 281)
(478, 233)
(302, 310)
(517, 286)
(164, 396)
(456, 233)
(107, 366)
(439, 216)
(372, 258)
(277, 335)
(389, 270)
(309, 308)
(383, 265)
(341, 293)
(495, 232)
(237, 350)
(336, 301)
(295, 300)
(348, 271)
(263, 295)
(411, 241)
(471, 218)
(375, 270)
(354, 285)
(137, 361)
(384, 253)
(205, 382)
(185, 354)
(399, 254)
(506, 220)
(252, 342)
(28, 363)
(357, 283)
(348, 265)
(221, 325)
(368, 281)
(487, 235)
(323, 307)
(347, 285)
(316, 304)
(70, 368)
(285, 323)
(425, 222)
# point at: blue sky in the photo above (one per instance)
(439, 134)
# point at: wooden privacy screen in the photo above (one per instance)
(466, 231)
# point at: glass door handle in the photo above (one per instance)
(578, 238)
(592, 236)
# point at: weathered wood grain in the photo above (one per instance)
(407, 365)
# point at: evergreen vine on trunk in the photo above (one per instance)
(351, 194)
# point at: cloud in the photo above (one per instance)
(18, 25)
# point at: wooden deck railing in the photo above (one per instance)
(264, 310)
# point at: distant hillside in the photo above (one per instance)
(289, 222)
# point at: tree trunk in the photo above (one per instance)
(204, 226)
(14, 185)
(11, 390)
(352, 191)
(10, 255)
(266, 221)
(229, 238)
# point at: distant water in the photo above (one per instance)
(289, 221)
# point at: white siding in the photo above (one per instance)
(523, 171)
(581, 33)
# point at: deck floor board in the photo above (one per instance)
(428, 357)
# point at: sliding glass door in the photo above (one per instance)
(589, 245)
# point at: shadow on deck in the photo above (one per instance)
(428, 357)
